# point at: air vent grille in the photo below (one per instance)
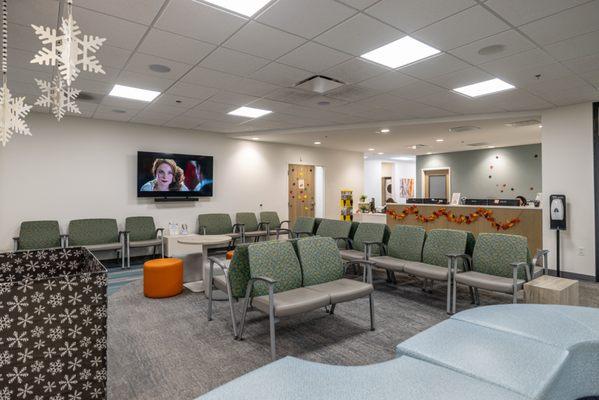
(319, 84)
(518, 124)
(478, 144)
(466, 128)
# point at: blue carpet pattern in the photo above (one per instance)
(117, 277)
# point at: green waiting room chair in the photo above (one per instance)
(142, 232)
(35, 235)
(274, 223)
(336, 229)
(499, 263)
(220, 224)
(304, 226)
(367, 241)
(251, 228)
(97, 234)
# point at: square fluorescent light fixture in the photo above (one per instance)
(243, 7)
(485, 87)
(249, 112)
(401, 52)
(129, 92)
(404, 158)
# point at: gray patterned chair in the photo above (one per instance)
(336, 229)
(219, 224)
(405, 245)
(38, 235)
(142, 232)
(251, 228)
(366, 242)
(499, 263)
(232, 278)
(97, 234)
(304, 226)
(276, 276)
(274, 223)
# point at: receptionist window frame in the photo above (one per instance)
(439, 171)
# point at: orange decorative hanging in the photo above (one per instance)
(451, 217)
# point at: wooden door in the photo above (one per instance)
(437, 183)
(301, 191)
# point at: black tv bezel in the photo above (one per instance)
(170, 194)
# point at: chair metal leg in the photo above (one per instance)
(271, 317)
(449, 284)
(372, 325)
(246, 304)
(515, 296)
(123, 256)
(161, 247)
(453, 294)
(128, 255)
(209, 289)
(332, 310)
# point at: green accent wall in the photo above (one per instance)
(486, 173)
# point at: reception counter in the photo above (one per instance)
(525, 221)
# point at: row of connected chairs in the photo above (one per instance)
(246, 225)
(284, 278)
(97, 234)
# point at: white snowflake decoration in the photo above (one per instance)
(13, 111)
(68, 50)
(58, 96)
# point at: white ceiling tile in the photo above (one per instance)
(583, 64)
(291, 95)
(141, 63)
(466, 27)
(24, 38)
(592, 76)
(170, 104)
(352, 93)
(567, 91)
(417, 90)
(555, 85)
(119, 102)
(237, 99)
(359, 35)
(387, 81)
(263, 41)
(109, 114)
(152, 117)
(411, 15)
(579, 46)
(233, 62)
(359, 4)
(142, 11)
(192, 91)
(526, 59)
(200, 21)
(516, 100)
(437, 65)
(216, 126)
(519, 12)
(211, 78)
(118, 32)
(214, 107)
(28, 89)
(110, 75)
(93, 86)
(275, 106)
(143, 81)
(461, 78)
(572, 22)
(314, 57)
(175, 47)
(27, 75)
(27, 12)
(254, 87)
(512, 41)
(280, 74)
(184, 122)
(87, 110)
(110, 56)
(322, 102)
(528, 76)
(306, 18)
(454, 102)
(355, 70)
(200, 113)
(18, 58)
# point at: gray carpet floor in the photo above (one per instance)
(166, 349)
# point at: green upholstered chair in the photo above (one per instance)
(274, 223)
(97, 234)
(303, 226)
(230, 277)
(499, 263)
(219, 224)
(141, 232)
(367, 241)
(405, 244)
(323, 270)
(251, 228)
(38, 235)
(336, 229)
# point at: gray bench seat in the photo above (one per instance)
(389, 263)
(343, 290)
(488, 282)
(104, 246)
(427, 271)
(294, 301)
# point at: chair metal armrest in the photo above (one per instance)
(240, 227)
(265, 279)
(161, 230)
(284, 222)
(64, 240)
(202, 229)
(218, 262)
(516, 266)
(15, 241)
(298, 234)
(543, 254)
(124, 235)
(368, 246)
(367, 264)
(265, 226)
(453, 258)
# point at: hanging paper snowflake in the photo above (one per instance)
(58, 96)
(13, 111)
(68, 50)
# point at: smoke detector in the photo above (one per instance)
(319, 84)
(466, 128)
(528, 122)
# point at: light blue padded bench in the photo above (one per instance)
(498, 352)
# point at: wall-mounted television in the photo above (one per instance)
(174, 175)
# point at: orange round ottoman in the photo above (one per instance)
(230, 254)
(163, 277)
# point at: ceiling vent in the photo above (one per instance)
(417, 146)
(479, 144)
(528, 122)
(319, 84)
(466, 128)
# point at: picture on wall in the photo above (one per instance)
(406, 188)
(174, 175)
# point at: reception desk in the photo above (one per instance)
(525, 221)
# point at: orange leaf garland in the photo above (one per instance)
(451, 217)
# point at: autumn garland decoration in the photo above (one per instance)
(451, 217)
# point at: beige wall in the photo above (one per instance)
(567, 165)
(82, 168)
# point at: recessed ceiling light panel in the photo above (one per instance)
(401, 52)
(492, 49)
(486, 87)
(243, 7)
(163, 69)
(249, 112)
(129, 92)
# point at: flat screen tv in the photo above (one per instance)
(173, 175)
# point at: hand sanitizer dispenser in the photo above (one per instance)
(557, 213)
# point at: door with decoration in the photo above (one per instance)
(301, 191)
